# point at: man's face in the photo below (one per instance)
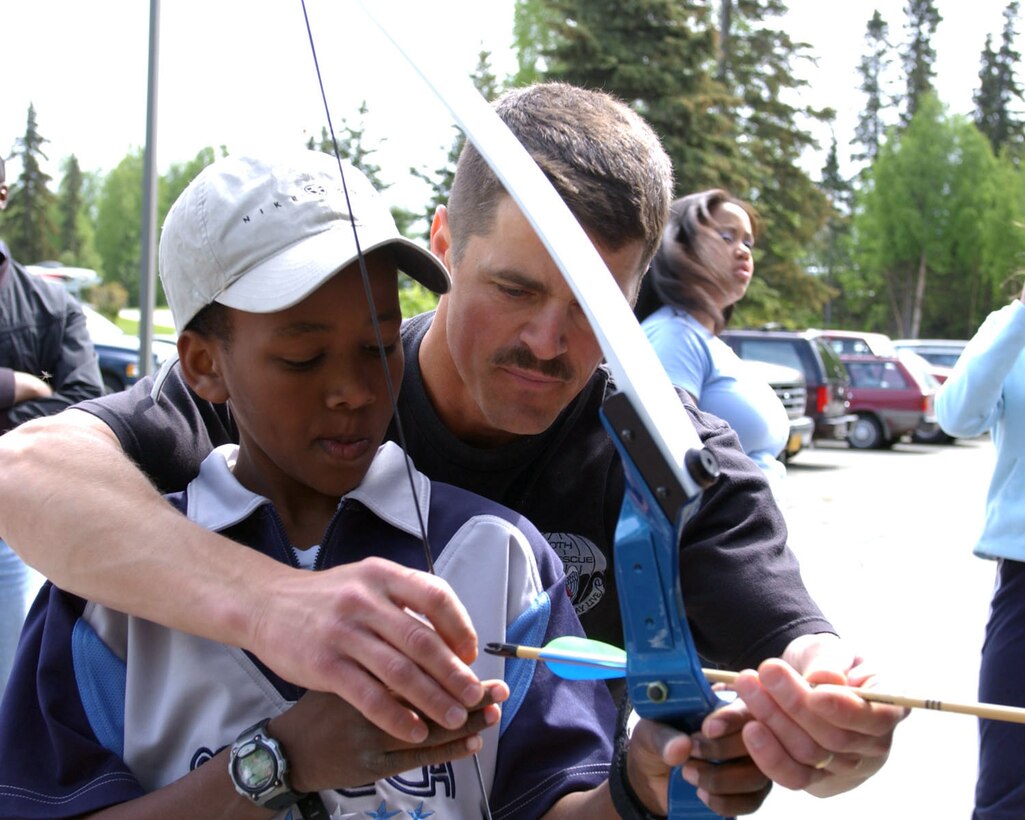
(520, 345)
(307, 387)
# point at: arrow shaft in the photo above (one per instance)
(988, 711)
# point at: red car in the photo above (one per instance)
(888, 399)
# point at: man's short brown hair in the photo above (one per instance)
(603, 159)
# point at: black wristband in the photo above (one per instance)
(624, 798)
(312, 807)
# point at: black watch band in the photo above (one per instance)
(624, 798)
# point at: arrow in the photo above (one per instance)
(576, 658)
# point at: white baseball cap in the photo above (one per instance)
(262, 236)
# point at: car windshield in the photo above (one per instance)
(885, 375)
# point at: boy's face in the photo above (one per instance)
(307, 387)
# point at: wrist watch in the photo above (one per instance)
(259, 770)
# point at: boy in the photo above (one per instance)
(111, 712)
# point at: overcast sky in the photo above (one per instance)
(239, 72)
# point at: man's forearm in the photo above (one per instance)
(75, 508)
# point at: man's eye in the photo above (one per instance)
(512, 291)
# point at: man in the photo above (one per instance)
(47, 363)
(501, 395)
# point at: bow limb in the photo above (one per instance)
(665, 463)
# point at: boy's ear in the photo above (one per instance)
(200, 359)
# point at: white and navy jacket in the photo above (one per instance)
(102, 707)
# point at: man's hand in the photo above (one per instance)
(331, 745)
(349, 630)
(822, 738)
(730, 787)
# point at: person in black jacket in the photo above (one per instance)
(47, 363)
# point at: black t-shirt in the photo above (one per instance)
(742, 588)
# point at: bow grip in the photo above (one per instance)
(664, 677)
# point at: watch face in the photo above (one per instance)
(255, 767)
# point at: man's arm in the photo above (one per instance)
(74, 507)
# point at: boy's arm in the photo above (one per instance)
(328, 744)
(73, 506)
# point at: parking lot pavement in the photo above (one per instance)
(884, 539)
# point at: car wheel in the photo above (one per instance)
(865, 434)
(935, 436)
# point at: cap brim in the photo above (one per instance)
(290, 276)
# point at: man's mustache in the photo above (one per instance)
(523, 359)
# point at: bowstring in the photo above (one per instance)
(383, 356)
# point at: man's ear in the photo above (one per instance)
(200, 360)
(441, 236)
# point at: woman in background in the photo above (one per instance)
(986, 392)
(702, 269)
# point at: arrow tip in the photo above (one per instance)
(505, 650)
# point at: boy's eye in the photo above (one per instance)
(388, 349)
(301, 364)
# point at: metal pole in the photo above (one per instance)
(148, 255)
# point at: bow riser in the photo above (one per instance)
(663, 671)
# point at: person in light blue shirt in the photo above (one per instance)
(702, 269)
(986, 392)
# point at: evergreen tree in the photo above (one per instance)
(871, 127)
(919, 55)
(69, 211)
(535, 23)
(656, 55)
(759, 68)
(831, 250)
(440, 179)
(28, 222)
(999, 89)
(351, 144)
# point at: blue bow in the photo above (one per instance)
(666, 465)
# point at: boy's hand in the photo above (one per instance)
(331, 745)
(349, 630)
(730, 787)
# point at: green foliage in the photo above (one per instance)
(414, 298)
(118, 224)
(28, 223)
(930, 226)
(108, 298)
